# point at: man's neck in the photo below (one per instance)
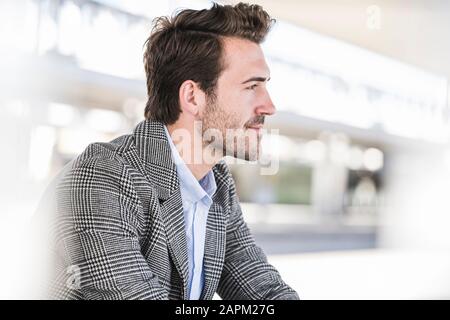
(198, 158)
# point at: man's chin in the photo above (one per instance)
(247, 155)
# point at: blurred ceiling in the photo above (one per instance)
(414, 31)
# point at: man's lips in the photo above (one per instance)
(257, 128)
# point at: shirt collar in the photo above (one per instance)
(192, 190)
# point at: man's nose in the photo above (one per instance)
(267, 107)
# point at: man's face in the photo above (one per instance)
(241, 102)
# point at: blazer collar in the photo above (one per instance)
(154, 151)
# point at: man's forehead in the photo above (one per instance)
(244, 58)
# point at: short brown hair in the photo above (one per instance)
(188, 46)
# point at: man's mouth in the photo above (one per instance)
(257, 128)
(256, 124)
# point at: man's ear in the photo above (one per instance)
(192, 98)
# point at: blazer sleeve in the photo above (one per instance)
(246, 274)
(98, 254)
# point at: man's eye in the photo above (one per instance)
(252, 87)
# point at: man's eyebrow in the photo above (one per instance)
(260, 79)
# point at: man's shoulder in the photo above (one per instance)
(113, 151)
(104, 163)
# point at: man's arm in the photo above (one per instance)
(98, 252)
(246, 273)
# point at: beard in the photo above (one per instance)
(225, 133)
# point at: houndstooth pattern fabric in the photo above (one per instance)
(120, 226)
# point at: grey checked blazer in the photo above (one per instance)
(120, 223)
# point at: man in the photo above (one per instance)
(154, 214)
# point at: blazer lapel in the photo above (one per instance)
(154, 150)
(214, 250)
(172, 214)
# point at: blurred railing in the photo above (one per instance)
(340, 107)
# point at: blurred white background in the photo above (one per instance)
(358, 208)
